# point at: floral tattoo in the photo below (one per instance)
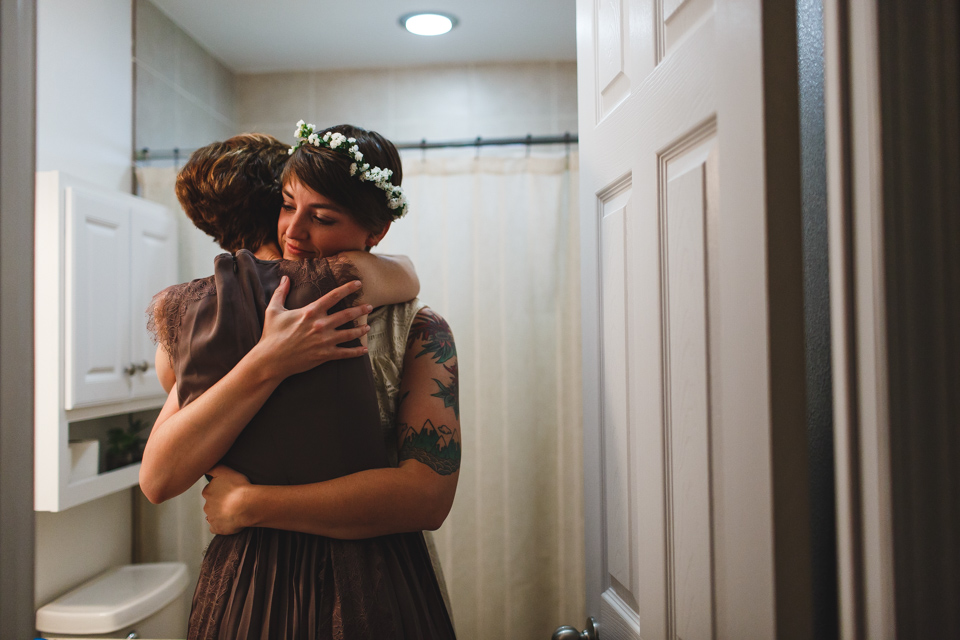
(436, 336)
(436, 447)
(438, 344)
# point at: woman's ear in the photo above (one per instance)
(373, 239)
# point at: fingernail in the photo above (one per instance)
(365, 350)
(283, 280)
(366, 328)
(357, 284)
(368, 307)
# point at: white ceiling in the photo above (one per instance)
(285, 35)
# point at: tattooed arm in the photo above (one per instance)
(415, 496)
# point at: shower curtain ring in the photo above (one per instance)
(477, 142)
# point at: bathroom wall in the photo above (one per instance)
(84, 90)
(84, 124)
(185, 98)
(408, 104)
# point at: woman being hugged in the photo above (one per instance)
(337, 555)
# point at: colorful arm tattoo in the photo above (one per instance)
(436, 335)
(436, 447)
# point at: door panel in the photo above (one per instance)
(97, 305)
(687, 359)
(153, 264)
(621, 536)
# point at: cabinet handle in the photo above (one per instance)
(130, 369)
(143, 366)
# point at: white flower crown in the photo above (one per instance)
(396, 200)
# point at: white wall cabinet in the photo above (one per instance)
(100, 257)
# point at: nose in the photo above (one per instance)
(297, 227)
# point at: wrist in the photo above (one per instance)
(265, 367)
(246, 506)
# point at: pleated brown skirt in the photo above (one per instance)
(282, 585)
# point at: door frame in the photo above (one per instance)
(17, 167)
(892, 147)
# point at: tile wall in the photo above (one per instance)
(185, 97)
(408, 104)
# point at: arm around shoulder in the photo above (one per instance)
(386, 279)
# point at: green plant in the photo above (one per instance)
(125, 446)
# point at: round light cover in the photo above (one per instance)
(428, 24)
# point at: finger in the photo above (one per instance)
(280, 295)
(350, 314)
(333, 297)
(342, 353)
(346, 335)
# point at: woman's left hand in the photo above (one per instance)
(223, 500)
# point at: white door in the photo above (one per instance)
(97, 297)
(153, 267)
(695, 444)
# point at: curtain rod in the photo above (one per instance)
(567, 138)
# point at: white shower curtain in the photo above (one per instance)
(495, 242)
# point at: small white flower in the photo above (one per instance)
(299, 123)
(353, 169)
(351, 140)
(290, 151)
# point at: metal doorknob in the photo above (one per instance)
(592, 632)
(130, 369)
(143, 366)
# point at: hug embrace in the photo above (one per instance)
(314, 390)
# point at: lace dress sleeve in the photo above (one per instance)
(166, 311)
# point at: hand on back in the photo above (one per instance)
(296, 340)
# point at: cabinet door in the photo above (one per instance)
(97, 304)
(153, 266)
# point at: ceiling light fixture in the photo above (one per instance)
(428, 24)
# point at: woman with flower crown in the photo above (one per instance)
(341, 554)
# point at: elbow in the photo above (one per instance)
(437, 514)
(153, 488)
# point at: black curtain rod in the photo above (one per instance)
(176, 154)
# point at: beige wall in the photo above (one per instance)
(406, 105)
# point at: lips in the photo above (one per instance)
(295, 251)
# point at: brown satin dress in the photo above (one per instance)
(266, 583)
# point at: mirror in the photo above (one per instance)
(480, 215)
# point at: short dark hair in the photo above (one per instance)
(231, 189)
(328, 173)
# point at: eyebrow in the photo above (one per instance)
(317, 205)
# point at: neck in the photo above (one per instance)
(268, 251)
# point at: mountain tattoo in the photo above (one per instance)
(436, 447)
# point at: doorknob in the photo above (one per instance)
(592, 632)
(143, 366)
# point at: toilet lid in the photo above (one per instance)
(116, 599)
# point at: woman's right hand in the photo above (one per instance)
(296, 340)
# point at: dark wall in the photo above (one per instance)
(816, 292)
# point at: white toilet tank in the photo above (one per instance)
(140, 599)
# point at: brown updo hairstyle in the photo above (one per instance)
(328, 173)
(231, 190)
